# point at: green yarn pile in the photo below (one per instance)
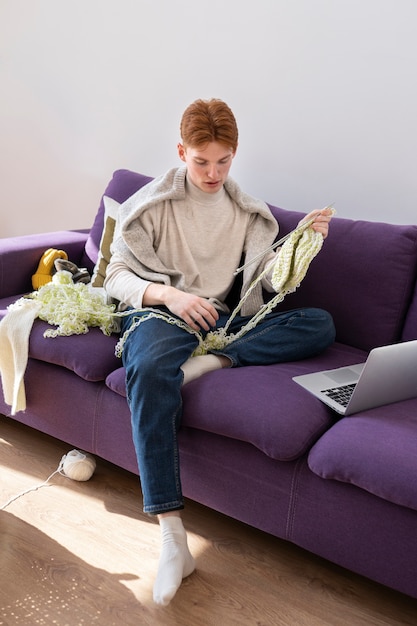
(71, 307)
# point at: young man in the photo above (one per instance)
(181, 239)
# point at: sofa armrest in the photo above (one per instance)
(20, 256)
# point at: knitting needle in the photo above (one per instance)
(278, 243)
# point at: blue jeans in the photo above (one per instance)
(153, 354)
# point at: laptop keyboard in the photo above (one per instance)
(341, 395)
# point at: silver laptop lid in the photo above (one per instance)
(389, 375)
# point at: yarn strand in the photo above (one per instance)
(36, 487)
(76, 465)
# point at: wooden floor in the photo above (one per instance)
(81, 554)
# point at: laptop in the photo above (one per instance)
(388, 375)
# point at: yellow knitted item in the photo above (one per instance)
(43, 274)
(294, 260)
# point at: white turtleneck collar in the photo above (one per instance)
(197, 195)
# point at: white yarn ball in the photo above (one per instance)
(78, 465)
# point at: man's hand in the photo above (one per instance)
(195, 311)
(321, 221)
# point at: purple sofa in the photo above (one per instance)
(254, 445)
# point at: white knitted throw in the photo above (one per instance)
(14, 341)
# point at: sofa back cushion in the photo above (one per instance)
(364, 276)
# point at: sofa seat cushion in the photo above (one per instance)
(375, 450)
(90, 356)
(260, 405)
(116, 381)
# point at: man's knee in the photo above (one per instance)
(325, 326)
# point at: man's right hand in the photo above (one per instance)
(197, 312)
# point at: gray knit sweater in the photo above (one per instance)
(136, 249)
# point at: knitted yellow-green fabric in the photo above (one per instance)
(294, 260)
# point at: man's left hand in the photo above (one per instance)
(321, 220)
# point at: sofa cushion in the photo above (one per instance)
(376, 451)
(116, 381)
(274, 414)
(364, 276)
(123, 184)
(90, 356)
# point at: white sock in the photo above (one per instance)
(176, 561)
(196, 366)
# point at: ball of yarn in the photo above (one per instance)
(78, 465)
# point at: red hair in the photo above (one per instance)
(205, 121)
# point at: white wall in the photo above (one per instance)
(324, 91)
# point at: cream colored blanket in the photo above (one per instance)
(15, 329)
